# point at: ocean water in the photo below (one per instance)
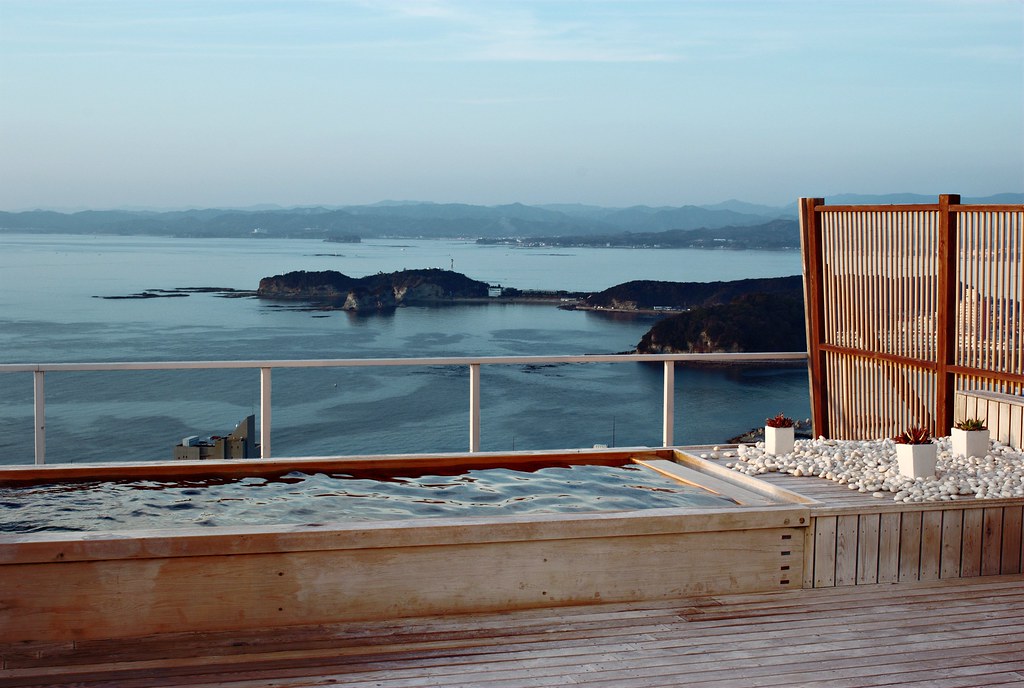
(50, 312)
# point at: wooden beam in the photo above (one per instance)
(814, 307)
(366, 466)
(946, 320)
(905, 361)
(723, 488)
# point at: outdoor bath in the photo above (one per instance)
(122, 583)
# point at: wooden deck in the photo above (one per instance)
(964, 632)
(841, 630)
(831, 495)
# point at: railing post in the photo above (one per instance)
(669, 405)
(265, 413)
(474, 407)
(40, 415)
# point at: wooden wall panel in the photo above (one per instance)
(113, 598)
(952, 543)
(910, 546)
(847, 528)
(973, 530)
(1003, 413)
(991, 541)
(931, 545)
(916, 542)
(1011, 554)
(825, 552)
(810, 535)
(889, 548)
(867, 549)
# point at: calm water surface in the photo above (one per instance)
(318, 498)
(49, 313)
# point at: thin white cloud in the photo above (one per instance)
(425, 30)
(504, 100)
(523, 32)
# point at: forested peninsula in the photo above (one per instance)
(752, 322)
(714, 317)
(678, 296)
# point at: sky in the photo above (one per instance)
(231, 103)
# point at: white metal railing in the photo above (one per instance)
(265, 367)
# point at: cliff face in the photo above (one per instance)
(432, 285)
(383, 291)
(359, 300)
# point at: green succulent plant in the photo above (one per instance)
(970, 424)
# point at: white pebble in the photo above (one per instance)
(870, 467)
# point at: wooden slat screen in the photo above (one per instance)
(906, 305)
(991, 299)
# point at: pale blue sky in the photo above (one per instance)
(231, 103)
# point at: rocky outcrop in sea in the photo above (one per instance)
(380, 292)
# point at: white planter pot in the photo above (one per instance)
(778, 440)
(969, 442)
(916, 460)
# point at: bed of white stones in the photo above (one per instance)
(870, 467)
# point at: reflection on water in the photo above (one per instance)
(302, 498)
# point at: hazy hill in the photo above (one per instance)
(748, 208)
(645, 219)
(406, 219)
(417, 219)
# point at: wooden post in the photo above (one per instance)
(946, 318)
(814, 308)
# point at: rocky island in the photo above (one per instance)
(380, 292)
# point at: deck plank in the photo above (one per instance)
(949, 632)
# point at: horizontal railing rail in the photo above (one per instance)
(265, 367)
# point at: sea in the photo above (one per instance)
(55, 306)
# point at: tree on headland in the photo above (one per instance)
(753, 322)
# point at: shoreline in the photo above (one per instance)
(637, 311)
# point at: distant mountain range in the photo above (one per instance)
(432, 220)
